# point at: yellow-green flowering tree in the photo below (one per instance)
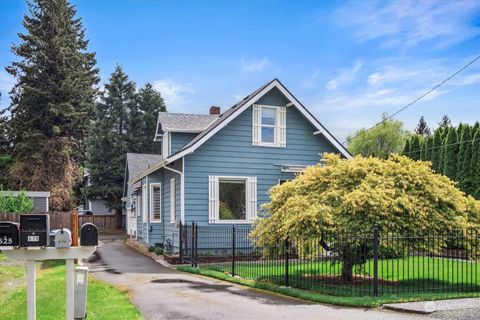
(350, 196)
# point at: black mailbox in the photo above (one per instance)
(88, 235)
(34, 230)
(9, 234)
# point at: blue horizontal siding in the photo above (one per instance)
(230, 152)
(179, 139)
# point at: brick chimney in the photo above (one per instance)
(214, 110)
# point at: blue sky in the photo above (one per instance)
(346, 61)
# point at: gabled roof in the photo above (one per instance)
(236, 110)
(181, 122)
(139, 162)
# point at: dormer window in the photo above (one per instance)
(269, 126)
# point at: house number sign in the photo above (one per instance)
(6, 240)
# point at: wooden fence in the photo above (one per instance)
(64, 219)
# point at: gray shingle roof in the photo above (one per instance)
(138, 162)
(181, 122)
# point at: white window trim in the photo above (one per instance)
(173, 198)
(166, 145)
(152, 220)
(250, 199)
(279, 126)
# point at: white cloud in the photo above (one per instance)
(345, 76)
(172, 92)
(407, 23)
(254, 65)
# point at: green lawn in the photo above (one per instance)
(352, 301)
(408, 275)
(105, 302)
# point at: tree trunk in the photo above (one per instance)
(347, 269)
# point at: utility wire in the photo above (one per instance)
(442, 146)
(416, 100)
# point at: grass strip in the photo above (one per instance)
(363, 301)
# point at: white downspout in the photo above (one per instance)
(182, 190)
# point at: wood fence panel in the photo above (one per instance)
(64, 220)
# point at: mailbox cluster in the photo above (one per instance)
(34, 231)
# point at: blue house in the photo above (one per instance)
(216, 169)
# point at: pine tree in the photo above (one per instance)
(150, 104)
(52, 100)
(437, 152)
(464, 159)
(422, 128)
(450, 154)
(445, 122)
(415, 147)
(423, 151)
(109, 141)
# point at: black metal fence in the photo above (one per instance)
(375, 264)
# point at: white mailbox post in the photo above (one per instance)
(34, 254)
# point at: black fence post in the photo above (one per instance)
(375, 261)
(180, 242)
(233, 250)
(287, 257)
(192, 256)
(196, 245)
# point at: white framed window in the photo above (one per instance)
(155, 202)
(144, 204)
(269, 126)
(232, 199)
(172, 200)
(133, 207)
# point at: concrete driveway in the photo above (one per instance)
(162, 293)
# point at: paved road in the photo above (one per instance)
(162, 293)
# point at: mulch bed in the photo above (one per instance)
(358, 280)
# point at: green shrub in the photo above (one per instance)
(15, 203)
(158, 251)
(151, 249)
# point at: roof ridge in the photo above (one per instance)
(189, 114)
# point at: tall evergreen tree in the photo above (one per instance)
(450, 155)
(150, 103)
(475, 165)
(422, 127)
(5, 149)
(464, 158)
(437, 152)
(406, 148)
(52, 100)
(109, 141)
(445, 122)
(429, 148)
(415, 147)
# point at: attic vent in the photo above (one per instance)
(214, 110)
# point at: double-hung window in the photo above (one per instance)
(155, 202)
(232, 199)
(269, 126)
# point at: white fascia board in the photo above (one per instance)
(237, 112)
(314, 121)
(252, 100)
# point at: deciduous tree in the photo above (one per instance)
(349, 197)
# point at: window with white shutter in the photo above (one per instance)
(155, 202)
(232, 199)
(172, 200)
(269, 126)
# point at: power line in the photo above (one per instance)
(416, 100)
(442, 146)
